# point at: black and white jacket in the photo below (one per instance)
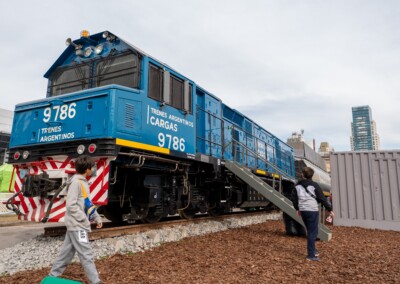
(304, 201)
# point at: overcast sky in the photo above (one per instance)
(286, 64)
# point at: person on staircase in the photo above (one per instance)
(305, 200)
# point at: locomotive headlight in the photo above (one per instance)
(98, 49)
(25, 155)
(108, 36)
(80, 149)
(68, 41)
(88, 51)
(78, 52)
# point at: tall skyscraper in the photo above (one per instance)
(363, 130)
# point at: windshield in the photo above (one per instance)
(118, 70)
(68, 80)
(122, 69)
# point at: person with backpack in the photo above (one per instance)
(79, 213)
(305, 200)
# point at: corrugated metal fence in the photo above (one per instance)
(366, 189)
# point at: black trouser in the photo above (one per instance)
(310, 219)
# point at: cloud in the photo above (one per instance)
(288, 65)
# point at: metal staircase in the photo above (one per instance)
(272, 195)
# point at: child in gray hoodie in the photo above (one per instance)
(78, 224)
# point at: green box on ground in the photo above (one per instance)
(56, 280)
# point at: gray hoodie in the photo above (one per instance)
(75, 216)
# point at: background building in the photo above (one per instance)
(376, 143)
(6, 118)
(324, 151)
(363, 130)
(304, 156)
(299, 137)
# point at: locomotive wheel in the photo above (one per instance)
(152, 216)
(114, 212)
(215, 211)
(187, 213)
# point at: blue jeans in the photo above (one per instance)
(310, 219)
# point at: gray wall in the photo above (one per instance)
(6, 118)
(366, 189)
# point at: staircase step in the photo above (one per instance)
(272, 195)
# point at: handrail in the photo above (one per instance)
(321, 209)
(282, 173)
(210, 143)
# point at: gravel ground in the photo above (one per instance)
(25, 255)
(257, 253)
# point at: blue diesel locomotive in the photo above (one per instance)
(160, 141)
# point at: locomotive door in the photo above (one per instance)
(239, 148)
(209, 125)
(250, 144)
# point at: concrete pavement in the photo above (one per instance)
(14, 231)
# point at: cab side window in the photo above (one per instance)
(155, 82)
(176, 90)
(169, 89)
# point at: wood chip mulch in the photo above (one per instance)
(256, 254)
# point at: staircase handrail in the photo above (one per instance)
(281, 172)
